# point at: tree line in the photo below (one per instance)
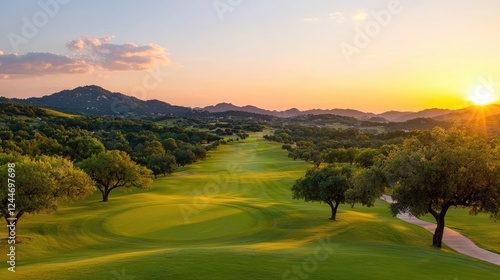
(331, 145)
(159, 148)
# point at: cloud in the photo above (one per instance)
(311, 20)
(340, 17)
(85, 42)
(124, 57)
(40, 64)
(88, 54)
(337, 16)
(360, 15)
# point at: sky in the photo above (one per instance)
(369, 55)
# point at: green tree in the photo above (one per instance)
(48, 146)
(242, 135)
(40, 184)
(184, 157)
(115, 141)
(153, 147)
(351, 154)
(114, 169)
(41, 145)
(437, 170)
(169, 144)
(144, 151)
(6, 134)
(294, 154)
(368, 184)
(327, 185)
(287, 147)
(336, 155)
(366, 158)
(199, 151)
(10, 146)
(83, 147)
(161, 164)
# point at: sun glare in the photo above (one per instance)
(483, 95)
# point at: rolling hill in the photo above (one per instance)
(95, 100)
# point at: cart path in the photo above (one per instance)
(453, 239)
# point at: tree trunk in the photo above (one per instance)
(437, 239)
(334, 210)
(105, 196)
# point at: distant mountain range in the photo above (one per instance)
(393, 116)
(96, 100)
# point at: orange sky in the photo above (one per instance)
(367, 55)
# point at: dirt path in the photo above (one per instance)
(453, 239)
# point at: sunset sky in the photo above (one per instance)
(276, 54)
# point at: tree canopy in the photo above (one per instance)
(40, 184)
(114, 169)
(368, 184)
(161, 164)
(328, 185)
(82, 147)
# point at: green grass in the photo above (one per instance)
(58, 114)
(482, 230)
(229, 217)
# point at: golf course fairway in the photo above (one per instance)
(230, 216)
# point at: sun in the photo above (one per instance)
(483, 95)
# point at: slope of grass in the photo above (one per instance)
(229, 217)
(58, 114)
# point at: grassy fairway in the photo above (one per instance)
(229, 217)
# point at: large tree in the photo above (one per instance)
(31, 186)
(184, 156)
(161, 164)
(437, 170)
(83, 147)
(368, 184)
(114, 169)
(169, 144)
(328, 185)
(367, 157)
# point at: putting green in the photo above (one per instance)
(183, 222)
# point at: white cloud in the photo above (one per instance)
(311, 20)
(340, 17)
(85, 42)
(40, 64)
(88, 54)
(129, 56)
